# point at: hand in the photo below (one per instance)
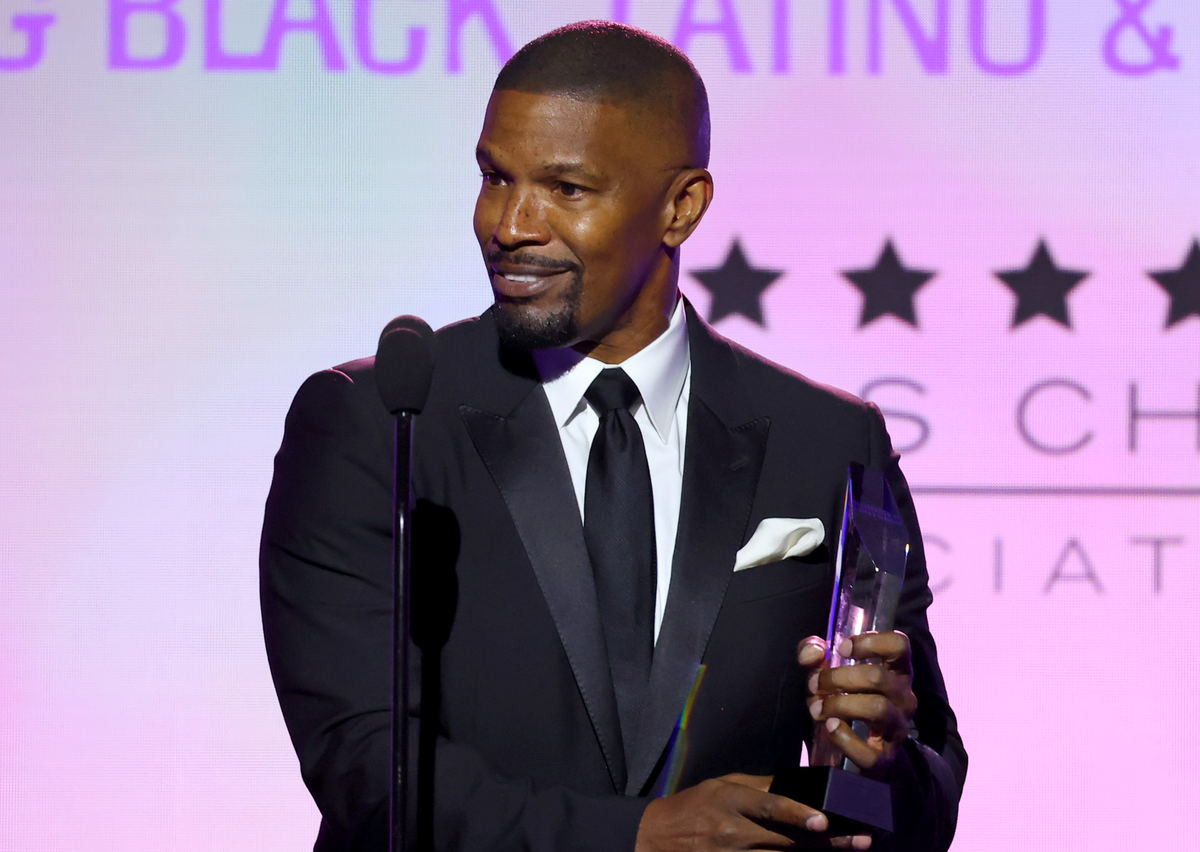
(878, 693)
(734, 812)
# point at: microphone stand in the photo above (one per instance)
(402, 506)
(403, 372)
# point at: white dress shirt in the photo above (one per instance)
(662, 372)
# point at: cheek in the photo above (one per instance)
(600, 237)
(632, 245)
(639, 231)
(482, 220)
(491, 207)
(613, 242)
(616, 254)
(601, 249)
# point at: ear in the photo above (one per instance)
(691, 193)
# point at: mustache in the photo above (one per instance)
(496, 256)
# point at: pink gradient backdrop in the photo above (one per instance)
(180, 246)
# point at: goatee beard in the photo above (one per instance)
(524, 328)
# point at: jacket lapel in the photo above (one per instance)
(722, 460)
(516, 437)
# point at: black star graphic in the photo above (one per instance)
(1041, 288)
(1183, 286)
(736, 286)
(888, 287)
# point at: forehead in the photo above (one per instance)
(540, 129)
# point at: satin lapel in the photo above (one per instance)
(722, 460)
(523, 453)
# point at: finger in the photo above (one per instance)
(857, 841)
(883, 717)
(762, 783)
(815, 841)
(864, 677)
(816, 703)
(848, 743)
(892, 648)
(745, 832)
(867, 678)
(779, 810)
(758, 837)
(811, 652)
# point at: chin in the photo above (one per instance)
(525, 325)
(526, 328)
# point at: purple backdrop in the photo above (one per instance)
(982, 215)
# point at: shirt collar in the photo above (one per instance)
(659, 371)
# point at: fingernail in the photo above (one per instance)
(861, 841)
(815, 709)
(809, 654)
(846, 648)
(812, 683)
(816, 822)
(831, 725)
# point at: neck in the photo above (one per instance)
(646, 319)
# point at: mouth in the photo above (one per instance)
(525, 282)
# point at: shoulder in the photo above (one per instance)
(801, 411)
(334, 398)
(766, 378)
(774, 388)
(340, 404)
(458, 346)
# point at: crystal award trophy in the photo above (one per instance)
(872, 554)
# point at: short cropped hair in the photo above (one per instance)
(614, 63)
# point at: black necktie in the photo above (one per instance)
(619, 528)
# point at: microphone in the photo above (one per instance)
(404, 364)
(403, 373)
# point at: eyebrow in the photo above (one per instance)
(567, 169)
(570, 169)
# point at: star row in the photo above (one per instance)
(889, 286)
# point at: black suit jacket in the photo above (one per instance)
(515, 684)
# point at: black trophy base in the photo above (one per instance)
(853, 804)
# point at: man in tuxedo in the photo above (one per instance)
(591, 463)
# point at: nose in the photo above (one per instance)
(521, 221)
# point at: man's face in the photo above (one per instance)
(571, 215)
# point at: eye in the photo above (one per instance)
(570, 190)
(492, 179)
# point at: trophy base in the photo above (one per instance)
(853, 804)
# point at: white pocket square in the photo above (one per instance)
(777, 539)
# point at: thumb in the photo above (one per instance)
(811, 653)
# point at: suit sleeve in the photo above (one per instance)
(325, 586)
(928, 775)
